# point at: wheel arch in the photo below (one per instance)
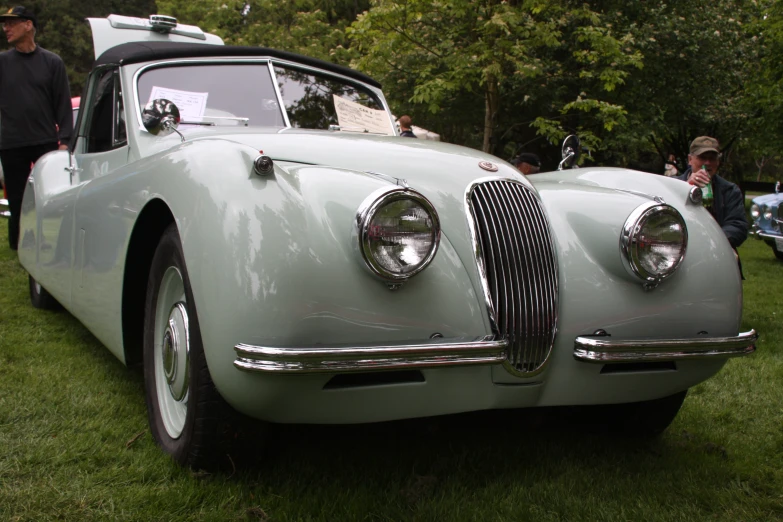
(147, 231)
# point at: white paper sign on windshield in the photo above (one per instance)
(352, 116)
(191, 105)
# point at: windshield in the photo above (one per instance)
(244, 94)
(316, 101)
(215, 94)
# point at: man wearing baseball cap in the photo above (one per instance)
(527, 163)
(35, 100)
(727, 207)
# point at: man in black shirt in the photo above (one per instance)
(35, 101)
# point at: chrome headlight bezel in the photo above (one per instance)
(364, 217)
(755, 211)
(767, 212)
(630, 233)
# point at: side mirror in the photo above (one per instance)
(570, 152)
(160, 117)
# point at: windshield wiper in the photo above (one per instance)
(244, 121)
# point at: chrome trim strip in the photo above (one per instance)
(279, 95)
(604, 350)
(451, 352)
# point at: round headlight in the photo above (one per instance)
(653, 241)
(767, 213)
(754, 211)
(398, 232)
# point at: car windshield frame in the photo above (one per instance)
(270, 64)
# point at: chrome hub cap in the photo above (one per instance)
(172, 352)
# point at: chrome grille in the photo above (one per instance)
(516, 256)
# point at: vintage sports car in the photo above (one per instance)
(767, 220)
(246, 224)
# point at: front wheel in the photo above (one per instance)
(778, 253)
(186, 413)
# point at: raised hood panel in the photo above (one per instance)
(115, 30)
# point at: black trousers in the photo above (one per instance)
(16, 168)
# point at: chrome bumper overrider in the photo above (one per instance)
(605, 350)
(435, 354)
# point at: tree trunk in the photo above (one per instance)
(491, 103)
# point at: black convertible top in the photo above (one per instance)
(135, 52)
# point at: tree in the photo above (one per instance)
(311, 27)
(449, 57)
(698, 59)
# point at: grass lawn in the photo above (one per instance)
(74, 444)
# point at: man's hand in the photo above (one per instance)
(700, 178)
(63, 147)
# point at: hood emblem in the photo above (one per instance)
(488, 165)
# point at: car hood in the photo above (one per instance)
(440, 171)
(768, 199)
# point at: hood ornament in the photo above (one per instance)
(488, 165)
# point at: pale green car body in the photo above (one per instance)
(273, 262)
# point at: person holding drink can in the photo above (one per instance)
(722, 198)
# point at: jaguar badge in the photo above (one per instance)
(488, 165)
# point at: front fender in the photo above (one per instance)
(272, 261)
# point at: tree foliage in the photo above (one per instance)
(312, 27)
(541, 61)
(635, 80)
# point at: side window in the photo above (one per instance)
(105, 129)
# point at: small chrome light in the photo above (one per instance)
(695, 195)
(263, 165)
(755, 212)
(162, 23)
(767, 213)
(398, 233)
(653, 242)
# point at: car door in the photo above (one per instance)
(100, 230)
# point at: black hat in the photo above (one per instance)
(527, 157)
(20, 12)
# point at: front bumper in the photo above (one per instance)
(757, 232)
(604, 350)
(436, 354)
(484, 351)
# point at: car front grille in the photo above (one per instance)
(516, 258)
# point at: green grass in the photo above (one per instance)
(74, 444)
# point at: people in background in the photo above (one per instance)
(405, 126)
(527, 163)
(670, 169)
(727, 206)
(35, 100)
